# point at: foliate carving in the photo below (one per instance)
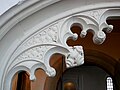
(48, 35)
(75, 57)
(39, 47)
(96, 14)
(95, 22)
(35, 51)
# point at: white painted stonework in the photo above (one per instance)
(35, 30)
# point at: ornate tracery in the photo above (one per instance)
(35, 51)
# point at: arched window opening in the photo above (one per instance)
(57, 61)
(21, 81)
(109, 83)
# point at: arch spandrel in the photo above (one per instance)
(35, 49)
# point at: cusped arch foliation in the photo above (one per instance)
(36, 50)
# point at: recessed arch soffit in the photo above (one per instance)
(35, 50)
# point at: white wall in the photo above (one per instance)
(7, 4)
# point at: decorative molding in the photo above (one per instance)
(20, 12)
(35, 51)
(48, 35)
(8, 20)
(93, 21)
(75, 57)
(96, 25)
(38, 48)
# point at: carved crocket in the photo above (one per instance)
(75, 57)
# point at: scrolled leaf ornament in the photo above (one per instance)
(75, 57)
(35, 50)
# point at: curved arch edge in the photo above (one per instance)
(47, 41)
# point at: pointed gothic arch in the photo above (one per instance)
(32, 49)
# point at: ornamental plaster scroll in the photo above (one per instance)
(91, 21)
(41, 45)
(35, 51)
(97, 25)
(75, 57)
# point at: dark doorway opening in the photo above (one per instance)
(84, 78)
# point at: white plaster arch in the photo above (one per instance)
(34, 49)
(5, 5)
